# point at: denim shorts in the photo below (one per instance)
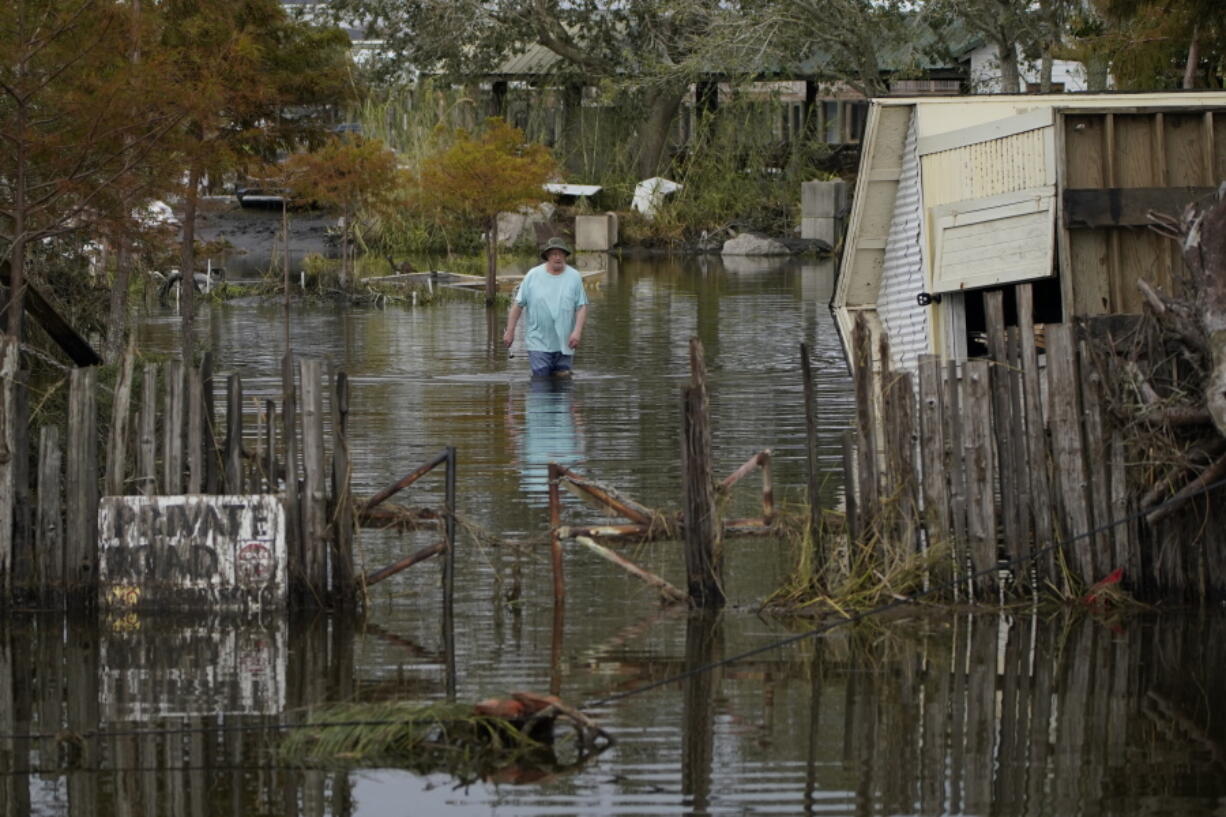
(546, 363)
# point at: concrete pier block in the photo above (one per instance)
(596, 233)
(822, 205)
(823, 199)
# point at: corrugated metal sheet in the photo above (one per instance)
(905, 320)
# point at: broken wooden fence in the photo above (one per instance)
(164, 436)
(998, 458)
(644, 523)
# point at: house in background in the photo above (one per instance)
(982, 65)
(957, 196)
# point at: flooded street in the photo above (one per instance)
(942, 713)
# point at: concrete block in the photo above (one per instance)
(595, 233)
(827, 229)
(822, 199)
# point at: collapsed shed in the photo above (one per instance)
(958, 195)
(993, 262)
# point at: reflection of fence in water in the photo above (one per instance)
(1021, 716)
(187, 669)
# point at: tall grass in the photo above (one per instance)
(735, 165)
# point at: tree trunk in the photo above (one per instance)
(187, 263)
(118, 325)
(655, 132)
(1045, 68)
(491, 261)
(1010, 77)
(1097, 72)
(1189, 70)
(15, 307)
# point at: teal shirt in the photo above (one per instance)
(549, 303)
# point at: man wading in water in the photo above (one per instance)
(552, 295)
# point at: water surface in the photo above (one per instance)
(938, 714)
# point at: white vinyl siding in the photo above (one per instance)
(906, 322)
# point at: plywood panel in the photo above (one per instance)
(1083, 150)
(1184, 154)
(1143, 255)
(1219, 146)
(1088, 259)
(985, 242)
(1134, 151)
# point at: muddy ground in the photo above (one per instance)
(252, 236)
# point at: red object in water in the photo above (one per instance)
(1114, 577)
(533, 703)
(500, 708)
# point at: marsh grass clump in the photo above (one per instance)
(856, 576)
(425, 738)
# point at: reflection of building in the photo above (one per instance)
(550, 432)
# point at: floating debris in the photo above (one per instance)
(511, 740)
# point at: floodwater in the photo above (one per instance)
(937, 713)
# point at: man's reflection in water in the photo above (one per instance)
(551, 431)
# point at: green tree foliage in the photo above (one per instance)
(347, 175)
(647, 43)
(79, 122)
(479, 176)
(1155, 44)
(237, 66)
(847, 40)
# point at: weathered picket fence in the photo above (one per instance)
(165, 437)
(1007, 462)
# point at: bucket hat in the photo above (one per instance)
(555, 243)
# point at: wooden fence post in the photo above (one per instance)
(980, 470)
(9, 356)
(852, 518)
(1068, 451)
(932, 457)
(212, 479)
(867, 471)
(449, 528)
(172, 431)
(1098, 465)
(23, 507)
(898, 409)
(148, 474)
(270, 445)
(117, 455)
(555, 542)
(1008, 471)
(811, 460)
(196, 479)
(343, 586)
(1024, 505)
(314, 498)
(234, 435)
(703, 530)
(1036, 437)
(293, 522)
(81, 486)
(955, 448)
(48, 526)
